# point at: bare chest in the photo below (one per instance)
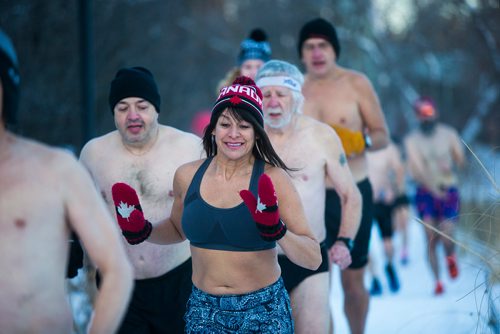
(152, 179)
(334, 105)
(303, 155)
(434, 147)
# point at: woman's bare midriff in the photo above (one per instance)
(225, 273)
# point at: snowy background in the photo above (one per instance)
(462, 309)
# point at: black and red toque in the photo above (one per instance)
(243, 93)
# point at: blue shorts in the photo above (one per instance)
(266, 311)
(429, 206)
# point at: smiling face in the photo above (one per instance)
(136, 119)
(278, 106)
(234, 138)
(318, 56)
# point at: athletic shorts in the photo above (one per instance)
(158, 304)
(401, 200)
(293, 274)
(440, 209)
(382, 214)
(265, 311)
(359, 253)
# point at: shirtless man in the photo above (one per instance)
(387, 176)
(315, 151)
(145, 154)
(434, 151)
(45, 194)
(345, 100)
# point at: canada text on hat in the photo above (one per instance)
(243, 93)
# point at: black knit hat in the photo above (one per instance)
(319, 28)
(134, 82)
(255, 46)
(9, 75)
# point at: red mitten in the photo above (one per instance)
(129, 214)
(264, 210)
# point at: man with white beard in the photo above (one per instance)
(315, 152)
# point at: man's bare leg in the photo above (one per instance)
(432, 242)
(311, 305)
(356, 299)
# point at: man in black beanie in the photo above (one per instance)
(134, 81)
(146, 154)
(345, 100)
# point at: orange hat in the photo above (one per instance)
(425, 108)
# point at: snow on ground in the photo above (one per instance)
(463, 308)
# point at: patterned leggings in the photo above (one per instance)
(264, 311)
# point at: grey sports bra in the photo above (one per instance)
(231, 229)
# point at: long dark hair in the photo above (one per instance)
(263, 149)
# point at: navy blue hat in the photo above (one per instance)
(9, 75)
(255, 47)
(319, 28)
(134, 82)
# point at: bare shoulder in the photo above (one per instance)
(177, 135)
(447, 129)
(49, 160)
(358, 80)
(317, 130)
(180, 145)
(51, 155)
(412, 144)
(278, 175)
(185, 173)
(98, 144)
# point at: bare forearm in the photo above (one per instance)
(351, 204)
(165, 233)
(302, 250)
(112, 300)
(380, 139)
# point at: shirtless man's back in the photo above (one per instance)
(46, 193)
(345, 100)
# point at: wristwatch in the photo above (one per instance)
(349, 243)
(368, 140)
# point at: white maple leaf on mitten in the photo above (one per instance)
(125, 210)
(260, 206)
